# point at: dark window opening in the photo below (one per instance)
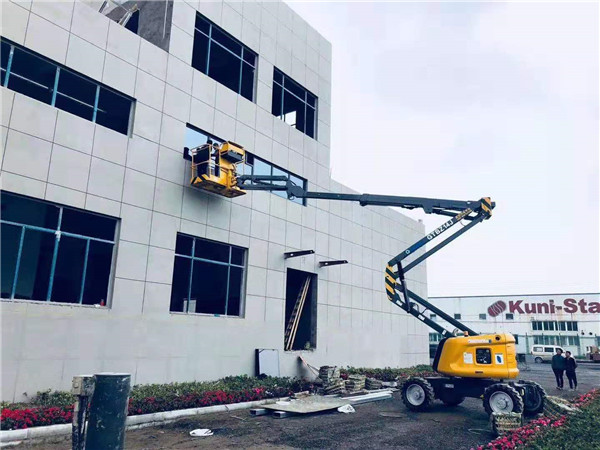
(208, 277)
(483, 356)
(134, 22)
(37, 77)
(294, 104)
(223, 58)
(457, 316)
(482, 317)
(510, 316)
(253, 165)
(301, 333)
(55, 253)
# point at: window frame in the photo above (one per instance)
(58, 233)
(192, 257)
(242, 57)
(304, 100)
(100, 87)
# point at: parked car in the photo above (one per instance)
(543, 353)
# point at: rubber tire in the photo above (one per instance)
(429, 393)
(451, 400)
(518, 404)
(538, 360)
(542, 393)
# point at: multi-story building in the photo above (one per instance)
(112, 262)
(571, 321)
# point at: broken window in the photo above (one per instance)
(208, 277)
(55, 253)
(223, 58)
(253, 165)
(300, 326)
(293, 104)
(37, 77)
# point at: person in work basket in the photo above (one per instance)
(570, 366)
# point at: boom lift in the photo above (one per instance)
(468, 364)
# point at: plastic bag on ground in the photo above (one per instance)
(200, 432)
(346, 409)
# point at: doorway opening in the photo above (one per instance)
(300, 324)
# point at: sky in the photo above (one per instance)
(465, 100)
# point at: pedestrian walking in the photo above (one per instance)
(558, 367)
(570, 366)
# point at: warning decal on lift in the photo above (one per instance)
(499, 358)
(468, 358)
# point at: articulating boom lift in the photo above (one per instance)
(469, 364)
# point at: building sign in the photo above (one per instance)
(569, 306)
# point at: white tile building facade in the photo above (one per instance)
(142, 179)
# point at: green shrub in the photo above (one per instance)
(53, 398)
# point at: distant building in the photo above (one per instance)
(569, 320)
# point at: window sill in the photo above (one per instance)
(43, 302)
(310, 350)
(218, 316)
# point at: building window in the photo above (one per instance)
(572, 326)
(510, 316)
(516, 336)
(37, 77)
(253, 165)
(536, 325)
(562, 326)
(432, 316)
(294, 104)
(223, 58)
(482, 317)
(208, 277)
(457, 316)
(55, 253)
(435, 337)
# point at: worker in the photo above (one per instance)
(558, 367)
(570, 366)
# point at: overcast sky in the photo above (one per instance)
(464, 100)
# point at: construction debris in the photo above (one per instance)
(332, 382)
(259, 412)
(355, 383)
(306, 405)
(556, 406)
(503, 423)
(372, 397)
(373, 384)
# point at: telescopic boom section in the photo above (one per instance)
(395, 282)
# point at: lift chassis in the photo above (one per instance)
(468, 364)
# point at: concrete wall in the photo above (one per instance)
(143, 180)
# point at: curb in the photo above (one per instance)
(14, 437)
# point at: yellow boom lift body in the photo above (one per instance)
(469, 364)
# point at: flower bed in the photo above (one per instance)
(388, 373)
(50, 408)
(580, 430)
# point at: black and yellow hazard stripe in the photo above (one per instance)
(486, 205)
(390, 283)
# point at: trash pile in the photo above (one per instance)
(332, 382)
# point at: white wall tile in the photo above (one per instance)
(226, 100)
(65, 196)
(244, 135)
(160, 265)
(211, 9)
(106, 179)
(37, 38)
(172, 133)
(195, 205)
(138, 189)
(81, 140)
(268, 50)
(153, 60)
(33, 117)
(164, 230)
(59, 13)
(123, 43)
(251, 35)
(177, 103)
(69, 168)
(147, 122)
(27, 155)
(14, 22)
(110, 145)
(168, 197)
(119, 75)
(171, 165)
(22, 185)
(85, 57)
(181, 45)
(179, 74)
(202, 115)
(131, 260)
(142, 155)
(102, 205)
(204, 88)
(231, 21)
(90, 25)
(252, 12)
(184, 17)
(264, 96)
(224, 126)
(246, 112)
(149, 90)
(135, 224)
